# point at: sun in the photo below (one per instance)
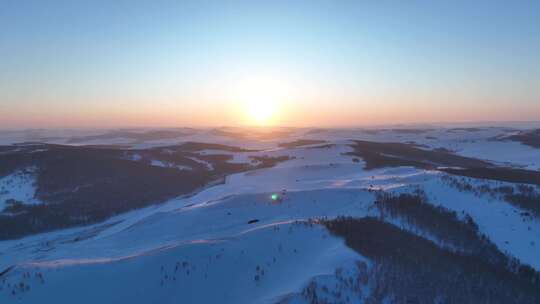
(261, 111)
(260, 99)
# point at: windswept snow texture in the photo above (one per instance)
(257, 237)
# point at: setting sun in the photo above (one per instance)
(261, 98)
(261, 111)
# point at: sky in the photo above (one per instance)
(292, 63)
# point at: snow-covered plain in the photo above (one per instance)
(231, 243)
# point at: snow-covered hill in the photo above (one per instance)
(260, 236)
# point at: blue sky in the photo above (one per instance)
(127, 63)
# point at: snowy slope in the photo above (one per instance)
(231, 243)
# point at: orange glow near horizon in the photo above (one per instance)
(256, 108)
(263, 98)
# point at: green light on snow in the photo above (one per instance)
(274, 197)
